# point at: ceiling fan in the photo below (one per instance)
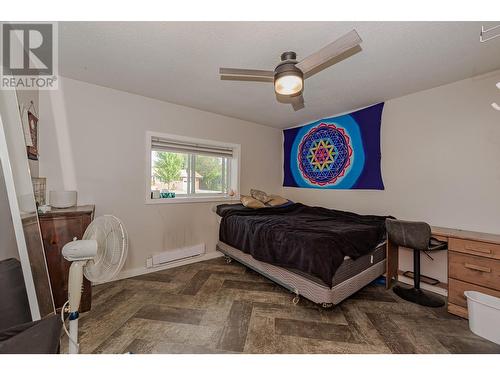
(288, 76)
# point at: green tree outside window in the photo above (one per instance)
(211, 169)
(167, 167)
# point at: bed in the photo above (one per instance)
(323, 255)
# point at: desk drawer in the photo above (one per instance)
(456, 289)
(473, 269)
(483, 249)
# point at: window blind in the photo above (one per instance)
(162, 144)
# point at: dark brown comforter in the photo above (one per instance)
(314, 240)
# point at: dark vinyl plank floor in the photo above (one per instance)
(214, 307)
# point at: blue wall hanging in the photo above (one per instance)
(340, 152)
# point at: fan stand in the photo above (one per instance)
(75, 284)
(79, 252)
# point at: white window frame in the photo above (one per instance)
(234, 168)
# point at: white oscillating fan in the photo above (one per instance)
(99, 255)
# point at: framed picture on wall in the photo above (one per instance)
(33, 133)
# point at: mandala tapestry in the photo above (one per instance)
(335, 153)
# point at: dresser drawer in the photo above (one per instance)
(458, 310)
(478, 248)
(456, 289)
(473, 269)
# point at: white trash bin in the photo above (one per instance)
(484, 315)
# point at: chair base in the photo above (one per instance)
(418, 296)
(423, 278)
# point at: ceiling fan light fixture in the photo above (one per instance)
(288, 84)
(288, 79)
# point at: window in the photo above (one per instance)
(182, 169)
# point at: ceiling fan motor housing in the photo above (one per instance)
(287, 68)
(290, 55)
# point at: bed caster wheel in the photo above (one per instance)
(327, 305)
(296, 300)
(227, 259)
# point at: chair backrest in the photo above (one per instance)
(411, 234)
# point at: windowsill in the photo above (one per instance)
(206, 199)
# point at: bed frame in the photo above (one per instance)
(303, 286)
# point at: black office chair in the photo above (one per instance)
(416, 236)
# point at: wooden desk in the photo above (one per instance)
(473, 264)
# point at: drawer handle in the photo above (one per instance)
(477, 268)
(484, 251)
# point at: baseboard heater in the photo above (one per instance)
(175, 255)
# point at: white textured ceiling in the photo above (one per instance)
(178, 62)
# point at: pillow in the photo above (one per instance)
(251, 202)
(260, 195)
(277, 200)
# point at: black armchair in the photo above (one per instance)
(18, 333)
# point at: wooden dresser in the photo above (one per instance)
(473, 264)
(58, 227)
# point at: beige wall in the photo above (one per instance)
(94, 141)
(440, 163)
(440, 152)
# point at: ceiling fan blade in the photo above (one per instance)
(330, 51)
(297, 102)
(246, 74)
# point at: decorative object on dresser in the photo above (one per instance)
(39, 189)
(62, 198)
(58, 227)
